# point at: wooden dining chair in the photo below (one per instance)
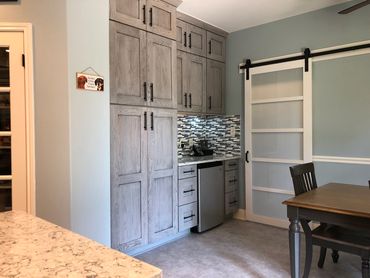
(304, 180)
(327, 236)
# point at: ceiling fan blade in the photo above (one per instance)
(355, 7)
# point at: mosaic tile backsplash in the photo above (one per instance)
(216, 129)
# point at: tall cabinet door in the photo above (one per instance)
(197, 74)
(162, 71)
(129, 181)
(161, 18)
(131, 12)
(215, 87)
(127, 64)
(182, 81)
(162, 203)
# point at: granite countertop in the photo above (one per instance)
(189, 160)
(32, 247)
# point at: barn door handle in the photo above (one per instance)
(246, 156)
(144, 13)
(152, 121)
(151, 16)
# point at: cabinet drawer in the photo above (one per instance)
(188, 216)
(231, 165)
(187, 171)
(188, 191)
(231, 180)
(231, 202)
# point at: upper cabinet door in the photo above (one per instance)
(161, 18)
(197, 40)
(161, 71)
(197, 83)
(215, 87)
(131, 12)
(162, 200)
(127, 65)
(182, 35)
(216, 47)
(182, 81)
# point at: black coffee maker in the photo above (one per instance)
(202, 149)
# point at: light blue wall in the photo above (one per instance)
(318, 29)
(88, 46)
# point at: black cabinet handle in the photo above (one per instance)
(186, 100)
(151, 16)
(210, 102)
(234, 180)
(246, 156)
(152, 121)
(190, 190)
(187, 217)
(190, 101)
(189, 40)
(144, 13)
(151, 92)
(210, 47)
(185, 37)
(145, 91)
(145, 121)
(190, 171)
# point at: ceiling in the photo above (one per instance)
(234, 15)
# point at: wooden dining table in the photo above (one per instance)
(339, 204)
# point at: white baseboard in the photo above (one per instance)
(243, 215)
(240, 215)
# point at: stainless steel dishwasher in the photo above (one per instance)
(211, 196)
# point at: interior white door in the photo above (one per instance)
(278, 129)
(13, 158)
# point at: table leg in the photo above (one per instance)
(294, 247)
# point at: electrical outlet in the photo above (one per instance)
(232, 131)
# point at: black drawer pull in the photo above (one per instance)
(185, 37)
(187, 217)
(234, 180)
(232, 165)
(144, 13)
(190, 190)
(188, 172)
(232, 203)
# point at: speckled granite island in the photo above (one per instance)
(32, 247)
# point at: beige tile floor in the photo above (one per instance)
(241, 249)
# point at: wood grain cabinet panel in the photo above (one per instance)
(131, 12)
(191, 38)
(161, 71)
(127, 64)
(216, 47)
(162, 19)
(129, 183)
(162, 200)
(192, 82)
(215, 87)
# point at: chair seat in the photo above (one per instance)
(342, 239)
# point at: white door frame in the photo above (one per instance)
(26, 29)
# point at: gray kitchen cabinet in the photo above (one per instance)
(216, 47)
(161, 71)
(192, 81)
(155, 16)
(188, 197)
(162, 197)
(215, 87)
(143, 175)
(129, 179)
(143, 68)
(128, 65)
(191, 38)
(231, 186)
